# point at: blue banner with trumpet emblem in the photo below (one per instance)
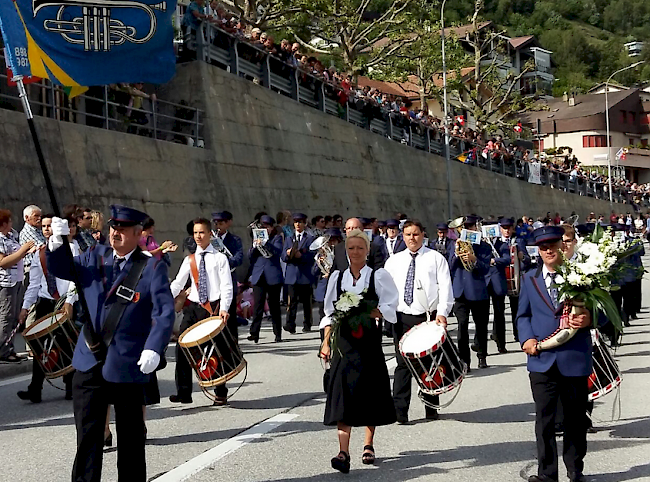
(90, 42)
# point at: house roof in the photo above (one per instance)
(585, 105)
(611, 85)
(463, 30)
(409, 88)
(518, 42)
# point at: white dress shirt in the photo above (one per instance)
(219, 278)
(38, 283)
(431, 275)
(391, 243)
(547, 277)
(384, 287)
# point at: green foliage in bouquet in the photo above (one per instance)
(354, 310)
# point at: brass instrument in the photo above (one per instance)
(324, 255)
(217, 243)
(462, 247)
(95, 29)
(260, 247)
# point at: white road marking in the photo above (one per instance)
(10, 381)
(193, 466)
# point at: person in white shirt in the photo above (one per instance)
(211, 291)
(425, 292)
(45, 291)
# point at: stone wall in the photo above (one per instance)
(263, 152)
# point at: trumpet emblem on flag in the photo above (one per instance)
(95, 29)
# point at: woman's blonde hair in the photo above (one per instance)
(357, 233)
(98, 221)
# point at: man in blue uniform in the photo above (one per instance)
(378, 248)
(394, 240)
(557, 374)
(298, 276)
(267, 280)
(508, 238)
(132, 311)
(471, 295)
(443, 244)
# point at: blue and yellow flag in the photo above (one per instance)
(78, 43)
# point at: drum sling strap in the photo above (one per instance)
(195, 276)
(41, 255)
(125, 293)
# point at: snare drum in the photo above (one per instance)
(606, 375)
(212, 352)
(52, 340)
(432, 358)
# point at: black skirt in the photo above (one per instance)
(358, 392)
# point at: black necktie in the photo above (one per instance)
(117, 266)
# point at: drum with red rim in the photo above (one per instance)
(52, 340)
(212, 352)
(606, 375)
(432, 358)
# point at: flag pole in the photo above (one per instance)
(22, 93)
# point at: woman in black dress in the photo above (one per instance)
(358, 392)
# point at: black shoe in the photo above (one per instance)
(11, 359)
(290, 330)
(475, 347)
(592, 429)
(278, 339)
(31, 395)
(368, 457)
(431, 413)
(540, 478)
(180, 399)
(220, 402)
(503, 350)
(402, 418)
(482, 363)
(306, 329)
(68, 395)
(341, 462)
(493, 337)
(626, 324)
(108, 441)
(576, 476)
(252, 337)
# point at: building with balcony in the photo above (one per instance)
(633, 49)
(580, 123)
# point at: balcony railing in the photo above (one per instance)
(241, 58)
(108, 108)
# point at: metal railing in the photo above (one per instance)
(110, 108)
(239, 57)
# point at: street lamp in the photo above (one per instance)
(444, 90)
(609, 160)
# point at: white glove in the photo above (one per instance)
(59, 229)
(149, 361)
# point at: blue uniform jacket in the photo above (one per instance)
(446, 250)
(299, 270)
(538, 319)
(470, 284)
(321, 284)
(378, 252)
(146, 323)
(496, 275)
(400, 245)
(269, 267)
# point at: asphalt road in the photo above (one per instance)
(273, 431)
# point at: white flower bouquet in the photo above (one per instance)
(589, 278)
(352, 310)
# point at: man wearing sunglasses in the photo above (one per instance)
(556, 374)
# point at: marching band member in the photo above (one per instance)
(141, 328)
(508, 237)
(376, 242)
(383, 228)
(211, 292)
(497, 288)
(414, 267)
(300, 260)
(443, 244)
(335, 237)
(43, 291)
(557, 374)
(471, 295)
(358, 392)
(394, 240)
(267, 280)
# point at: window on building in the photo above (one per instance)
(595, 141)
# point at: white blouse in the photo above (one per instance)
(384, 286)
